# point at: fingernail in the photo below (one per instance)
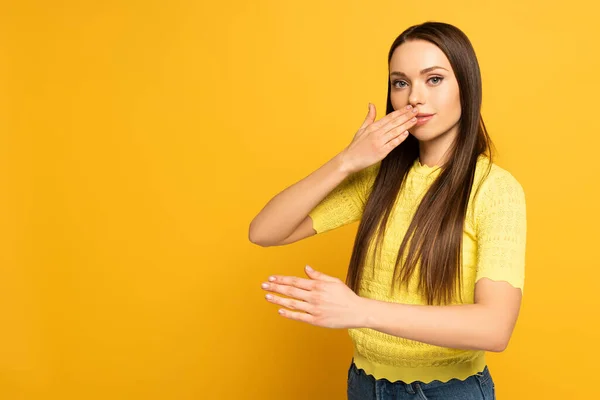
(408, 107)
(272, 278)
(265, 285)
(308, 268)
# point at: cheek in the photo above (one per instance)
(450, 102)
(397, 101)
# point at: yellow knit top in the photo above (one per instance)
(493, 247)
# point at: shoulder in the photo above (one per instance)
(493, 178)
(497, 187)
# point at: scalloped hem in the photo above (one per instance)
(516, 283)
(424, 374)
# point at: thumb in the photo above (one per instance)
(318, 275)
(370, 116)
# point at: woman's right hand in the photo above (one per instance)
(375, 140)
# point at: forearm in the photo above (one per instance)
(468, 326)
(284, 212)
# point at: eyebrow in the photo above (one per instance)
(426, 70)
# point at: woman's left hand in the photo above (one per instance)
(321, 300)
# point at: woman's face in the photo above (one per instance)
(433, 92)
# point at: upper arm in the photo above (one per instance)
(501, 230)
(504, 302)
(304, 230)
(343, 205)
(346, 202)
(501, 239)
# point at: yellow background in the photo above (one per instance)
(140, 138)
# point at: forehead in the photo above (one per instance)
(414, 55)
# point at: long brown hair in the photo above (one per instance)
(438, 221)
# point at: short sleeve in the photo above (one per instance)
(501, 230)
(346, 202)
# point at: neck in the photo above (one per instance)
(435, 152)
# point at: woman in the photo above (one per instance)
(441, 283)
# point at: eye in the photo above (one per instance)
(439, 80)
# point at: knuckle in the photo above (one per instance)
(316, 298)
(374, 146)
(317, 313)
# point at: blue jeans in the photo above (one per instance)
(365, 387)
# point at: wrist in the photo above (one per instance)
(364, 312)
(342, 165)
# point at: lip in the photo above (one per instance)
(423, 118)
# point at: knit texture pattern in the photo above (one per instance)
(494, 240)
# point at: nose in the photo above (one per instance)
(416, 97)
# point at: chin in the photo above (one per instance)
(422, 135)
(425, 135)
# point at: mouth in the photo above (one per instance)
(423, 118)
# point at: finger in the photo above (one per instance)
(403, 118)
(301, 283)
(389, 117)
(319, 275)
(289, 291)
(297, 316)
(370, 116)
(291, 304)
(399, 130)
(389, 146)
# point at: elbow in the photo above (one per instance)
(255, 239)
(499, 344)
(497, 348)
(252, 235)
(259, 243)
